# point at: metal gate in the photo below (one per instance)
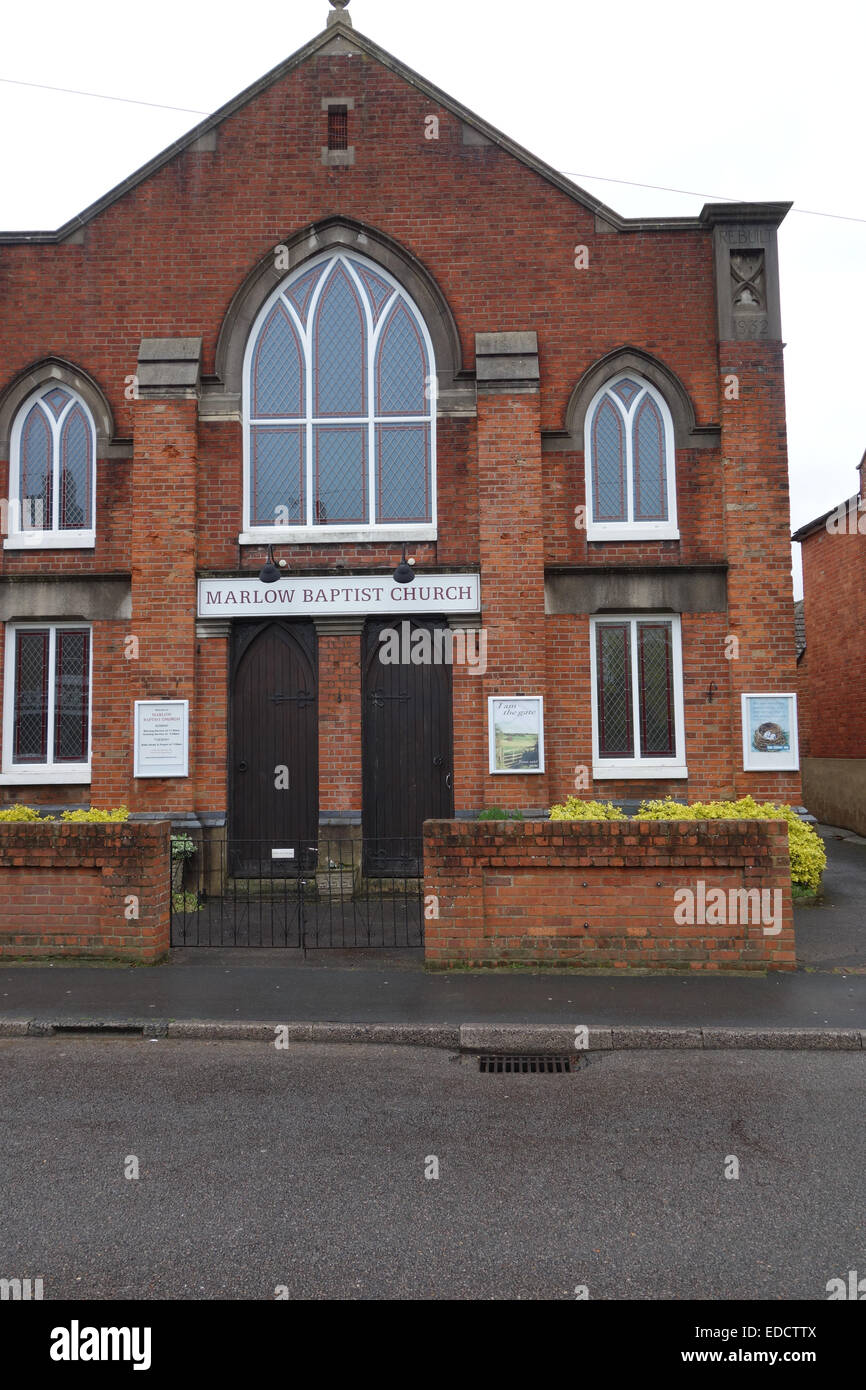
(312, 896)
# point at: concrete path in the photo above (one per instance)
(831, 935)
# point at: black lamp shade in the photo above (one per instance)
(270, 572)
(404, 573)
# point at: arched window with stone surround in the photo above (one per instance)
(630, 462)
(339, 408)
(53, 470)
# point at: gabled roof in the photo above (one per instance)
(340, 36)
(851, 504)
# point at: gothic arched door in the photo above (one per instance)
(407, 750)
(274, 746)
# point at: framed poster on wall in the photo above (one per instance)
(161, 738)
(770, 733)
(516, 733)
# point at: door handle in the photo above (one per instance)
(242, 767)
(448, 780)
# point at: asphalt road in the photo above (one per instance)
(305, 1168)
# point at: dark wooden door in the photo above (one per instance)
(407, 751)
(274, 787)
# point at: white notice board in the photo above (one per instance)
(161, 738)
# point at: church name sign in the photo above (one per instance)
(323, 595)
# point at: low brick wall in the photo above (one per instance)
(85, 890)
(609, 894)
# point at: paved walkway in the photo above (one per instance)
(392, 988)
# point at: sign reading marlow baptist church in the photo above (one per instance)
(321, 595)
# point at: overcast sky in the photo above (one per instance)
(761, 101)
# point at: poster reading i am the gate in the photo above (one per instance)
(516, 733)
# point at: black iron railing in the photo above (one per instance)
(306, 895)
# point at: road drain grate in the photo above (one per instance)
(529, 1062)
(97, 1030)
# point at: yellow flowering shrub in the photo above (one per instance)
(575, 809)
(808, 856)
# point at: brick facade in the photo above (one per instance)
(85, 890)
(601, 894)
(833, 737)
(169, 257)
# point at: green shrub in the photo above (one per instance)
(575, 809)
(96, 817)
(808, 856)
(497, 813)
(182, 846)
(20, 813)
(186, 902)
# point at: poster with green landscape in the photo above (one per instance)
(516, 735)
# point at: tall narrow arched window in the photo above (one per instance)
(53, 471)
(630, 463)
(339, 408)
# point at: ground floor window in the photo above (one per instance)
(637, 696)
(46, 706)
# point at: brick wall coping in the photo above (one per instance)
(85, 843)
(736, 843)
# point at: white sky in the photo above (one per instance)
(761, 101)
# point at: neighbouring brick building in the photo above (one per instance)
(830, 664)
(342, 315)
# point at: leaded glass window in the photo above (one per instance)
(53, 463)
(638, 702)
(616, 725)
(339, 407)
(48, 698)
(630, 462)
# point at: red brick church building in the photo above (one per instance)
(343, 316)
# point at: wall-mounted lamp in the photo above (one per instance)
(270, 572)
(404, 573)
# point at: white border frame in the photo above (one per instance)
(42, 774)
(493, 700)
(368, 531)
(754, 761)
(632, 530)
(163, 769)
(48, 539)
(638, 769)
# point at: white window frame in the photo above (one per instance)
(632, 530)
(638, 767)
(33, 774)
(290, 534)
(49, 538)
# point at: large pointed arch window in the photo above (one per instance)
(630, 466)
(339, 409)
(53, 471)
